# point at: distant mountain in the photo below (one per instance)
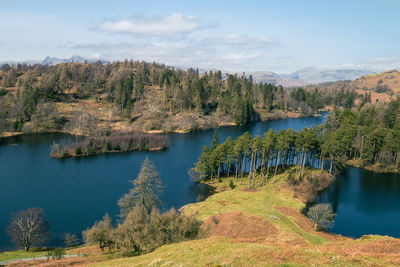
(55, 60)
(306, 76)
(316, 75)
(274, 78)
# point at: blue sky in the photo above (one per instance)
(280, 36)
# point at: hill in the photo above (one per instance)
(380, 87)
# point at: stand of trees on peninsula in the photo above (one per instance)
(29, 91)
(265, 154)
(369, 135)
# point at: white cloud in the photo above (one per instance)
(375, 64)
(245, 41)
(237, 58)
(175, 24)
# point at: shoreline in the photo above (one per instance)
(263, 118)
(376, 168)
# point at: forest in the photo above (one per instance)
(29, 93)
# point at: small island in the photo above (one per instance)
(110, 143)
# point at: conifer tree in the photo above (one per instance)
(145, 191)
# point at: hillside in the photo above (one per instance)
(264, 227)
(259, 227)
(76, 97)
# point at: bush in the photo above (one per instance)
(142, 232)
(232, 185)
(56, 253)
(78, 150)
(70, 240)
(101, 233)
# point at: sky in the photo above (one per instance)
(280, 36)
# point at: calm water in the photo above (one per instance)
(76, 192)
(365, 203)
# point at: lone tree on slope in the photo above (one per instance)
(144, 193)
(322, 215)
(28, 228)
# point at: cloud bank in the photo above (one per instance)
(155, 26)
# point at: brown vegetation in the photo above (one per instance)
(240, 226)
(307, 187)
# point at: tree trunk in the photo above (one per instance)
(237, 165)
(330, 167)
(250, 169)
(254, 170)
(262, 167)
(219, 167)
(277, 163)
(304, 162)
(268, 163)
(362, 145)
(244, 159)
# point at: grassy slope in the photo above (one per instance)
(21, 254)
(295, 244)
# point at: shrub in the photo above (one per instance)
(56, 253)
(231, 184)
(101, 233)
(78, 150)
(70, 240)
(143, 232)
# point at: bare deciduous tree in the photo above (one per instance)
(28, 228)
(322, 215)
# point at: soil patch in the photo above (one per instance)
(78, 261)
(241, 226)
(249, 190)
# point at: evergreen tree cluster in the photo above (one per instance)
(370, 135)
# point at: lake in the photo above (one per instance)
(75, 192)
(365, 203)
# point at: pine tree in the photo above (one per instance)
(145, 192)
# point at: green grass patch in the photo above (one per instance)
(261, 202)
(22, 254)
